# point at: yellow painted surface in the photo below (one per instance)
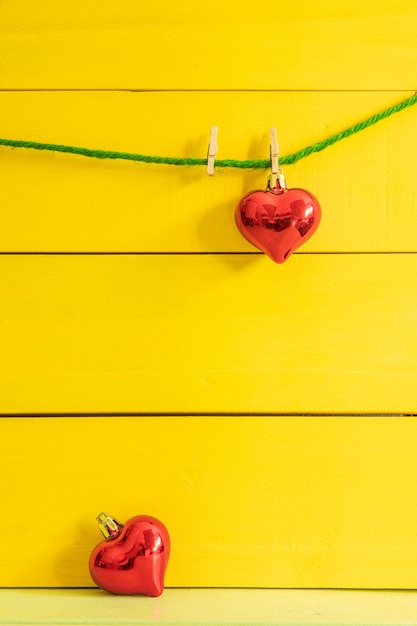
(54, 202)
(216, 45)
(188, 607)
(249, 501)
(202, 333)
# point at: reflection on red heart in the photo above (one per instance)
(278, 221)
(133, 558)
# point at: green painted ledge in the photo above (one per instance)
(186, 607)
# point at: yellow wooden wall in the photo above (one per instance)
(152, 360)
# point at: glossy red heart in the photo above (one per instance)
(278, 221)
(133, 559)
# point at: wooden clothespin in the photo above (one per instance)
(274, 152)
(212, 150)
(276, 170)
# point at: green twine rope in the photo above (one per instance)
(289, 159)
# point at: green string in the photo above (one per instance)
(289, 159)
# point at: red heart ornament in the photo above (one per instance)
(133, 558)
(277, 220)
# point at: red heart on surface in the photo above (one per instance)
(133, 559)
(278, 221)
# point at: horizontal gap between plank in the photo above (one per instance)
(56, 253)
(243, 90)
(197, 414)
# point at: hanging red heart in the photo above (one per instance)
(278, 220)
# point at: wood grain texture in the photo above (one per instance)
(249, 501)
(56, 202)
(207, 333)
(210, 607)
(208, 46)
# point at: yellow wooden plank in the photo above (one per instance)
(190, 607)
(249, 501)
(216, 45)
(56, 202)
(207, 333)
